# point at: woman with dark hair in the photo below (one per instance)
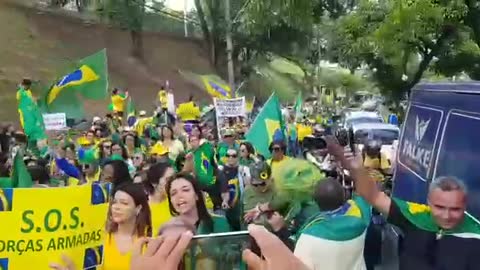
(132, 143)
(155, 186)
(40, 176)
(246, 153)
(167, 139)
(139, 160)
(186, 200)
(195, 132)
(115, 172)
(128, 219)
(105, 151)
(119, 150)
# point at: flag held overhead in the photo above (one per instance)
(80, 76)
(216, 89)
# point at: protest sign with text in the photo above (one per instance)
(38, 225)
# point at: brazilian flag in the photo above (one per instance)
(203, 158)
(88, 79)
(267, 123)
(214, 85)
(420, 215)
(131, 113)
(30, 117)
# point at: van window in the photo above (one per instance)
(385, 136)
(363, 120)
(459, 155)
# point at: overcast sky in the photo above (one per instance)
(179, 4)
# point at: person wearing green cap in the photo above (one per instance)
(91, 171)
(228, 142)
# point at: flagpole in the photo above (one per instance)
(185, 19)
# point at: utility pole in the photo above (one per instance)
(185, 18)
(231, 75)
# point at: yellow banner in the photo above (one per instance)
(38, 225)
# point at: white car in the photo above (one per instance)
(360, 117)
(387, 134)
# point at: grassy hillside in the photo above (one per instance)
(40, 45)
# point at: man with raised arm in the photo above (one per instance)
(438, 235)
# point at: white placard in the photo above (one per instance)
(230, 107)
(171, 103)
(55, 121)
(226, 108)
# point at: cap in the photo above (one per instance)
(96, 119)
(159, 149)
(228, 132)
(142, 113)
(260, 172)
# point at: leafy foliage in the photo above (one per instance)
(399, 39)
(128, 14)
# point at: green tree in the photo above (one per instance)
(263, 31)
(399, 39)
(129, 15)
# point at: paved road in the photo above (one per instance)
(389, 250)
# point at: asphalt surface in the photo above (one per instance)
(389, 250)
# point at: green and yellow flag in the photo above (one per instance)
(21, 178)
(30, 117)
(267, 122)
(89, 79)
(213, 84)
(420, 215)
(203, 158)
(131, 113)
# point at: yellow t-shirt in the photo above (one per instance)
(113, 259)
(160, 215)
(163, 98)
(276, 164)
(141, 125)
(118, 103)
(28, 91)
(375, 163)
(95, 178)
(175, 149)
(188, 111)
(303, 131)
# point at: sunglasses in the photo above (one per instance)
(232, 155)
(262, 184)
(276, 149)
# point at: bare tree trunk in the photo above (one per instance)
(231, 72)
(137, 44)
(80, 5)
(207, 35)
